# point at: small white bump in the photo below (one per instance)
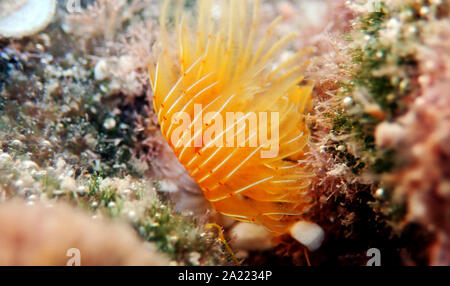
(309, 234)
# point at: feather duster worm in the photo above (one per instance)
(218, 66)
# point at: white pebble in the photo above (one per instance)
(253, 237)
(348, 101)
(81, 190)
(29, 165)
(132, 215)
(109, 123)
(309, 234)
(101, 70)
(379, 193)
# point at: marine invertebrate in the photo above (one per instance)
(25, 17)
(219, 68)
(47, 234)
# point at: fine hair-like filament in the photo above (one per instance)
(215, 57)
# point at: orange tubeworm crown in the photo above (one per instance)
(233, 112)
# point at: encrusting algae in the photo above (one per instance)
(217, 66)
